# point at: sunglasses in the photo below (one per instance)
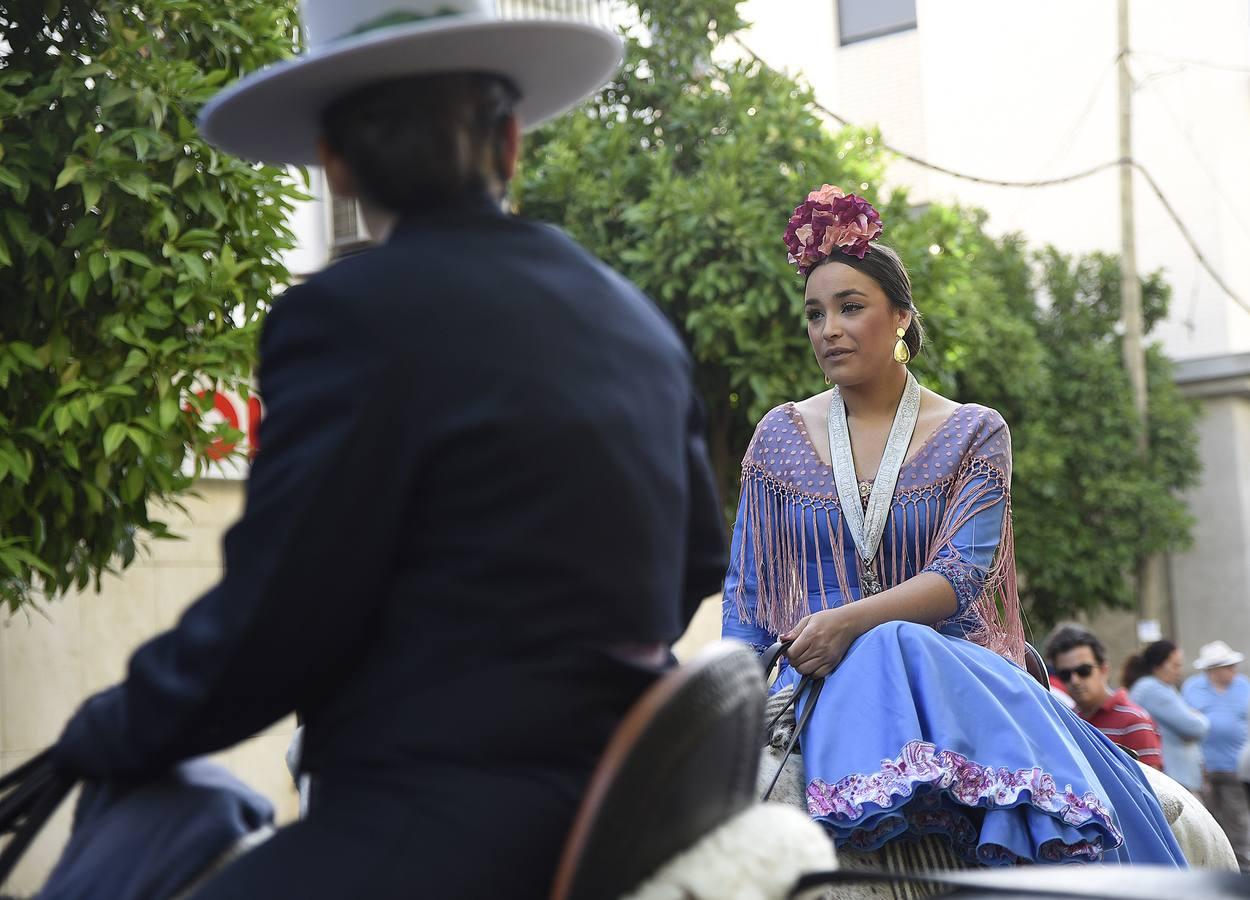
(1084, 670)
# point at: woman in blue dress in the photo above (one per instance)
(874, 532)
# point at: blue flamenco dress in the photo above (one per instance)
(930, 730)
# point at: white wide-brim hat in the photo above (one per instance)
(274, 115)
(1216, 654)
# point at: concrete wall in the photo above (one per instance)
(1210, 583)
(52, 658)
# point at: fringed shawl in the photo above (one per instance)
(791, 534)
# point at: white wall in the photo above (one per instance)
(1028, 91)
(311, 223)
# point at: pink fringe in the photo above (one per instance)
(775, 517)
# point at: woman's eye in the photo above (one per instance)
(814, 314)
(851, 307)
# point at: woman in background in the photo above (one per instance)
(1152, 679)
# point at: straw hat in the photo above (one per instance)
(274, 115)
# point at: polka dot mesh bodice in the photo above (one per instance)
(950, 515)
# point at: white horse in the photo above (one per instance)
(760, 853)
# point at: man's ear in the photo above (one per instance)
(510, 149)
(338, 175)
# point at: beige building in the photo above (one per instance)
(55, 656)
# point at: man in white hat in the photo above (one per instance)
(482, 510)
(1222, 694)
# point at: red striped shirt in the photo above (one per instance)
(1128, 725)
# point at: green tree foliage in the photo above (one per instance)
(134, 264)
(682, 173)
(1088, 505)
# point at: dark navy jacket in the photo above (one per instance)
(481, 464)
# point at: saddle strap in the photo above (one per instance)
(28, 807)
(809, 686)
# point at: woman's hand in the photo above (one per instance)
(820, 640)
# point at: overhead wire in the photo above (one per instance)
(1187, 133)
(1042, 182)
(1196, 63)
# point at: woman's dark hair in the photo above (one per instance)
(1146, 661)
(1069, 637)
(883, 266)
(422, 141)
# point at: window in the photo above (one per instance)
(860, 20)
(592, 12)
(346, 220)
(347, 235)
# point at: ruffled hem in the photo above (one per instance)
(929, 791)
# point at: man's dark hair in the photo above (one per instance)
(1069, 637)
(884, 266)
(422, 141)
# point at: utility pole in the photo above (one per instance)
(1150, 587)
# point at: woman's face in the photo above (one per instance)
(1169, 670)
(851, 323)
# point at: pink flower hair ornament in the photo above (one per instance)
(827, 220)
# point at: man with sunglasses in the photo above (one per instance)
(1079, 659)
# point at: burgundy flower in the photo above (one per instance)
(826, 220)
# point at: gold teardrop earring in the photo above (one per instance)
(901, 353)
(827, 381)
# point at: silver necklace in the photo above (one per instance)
(868, 525)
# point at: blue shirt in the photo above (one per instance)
(1181, 727)
(1226, 711)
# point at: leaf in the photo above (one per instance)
(140, 439)
(68, 174)
(25, 556)
(91, 191)
(195, 265)
(79, 284)
(168, 412)
(9, 561)
(6, 258)
(184, 170)
(62, 419)
(95, 503)
(116, 93)
(135, 257)
(97, 265)
(213, 203)
(132, 484)
(113, 437)
(172, 225)
(9, 178)
(26, 353)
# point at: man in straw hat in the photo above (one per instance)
(483, 508)
(1222, 694)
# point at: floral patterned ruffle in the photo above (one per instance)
(945, 773)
